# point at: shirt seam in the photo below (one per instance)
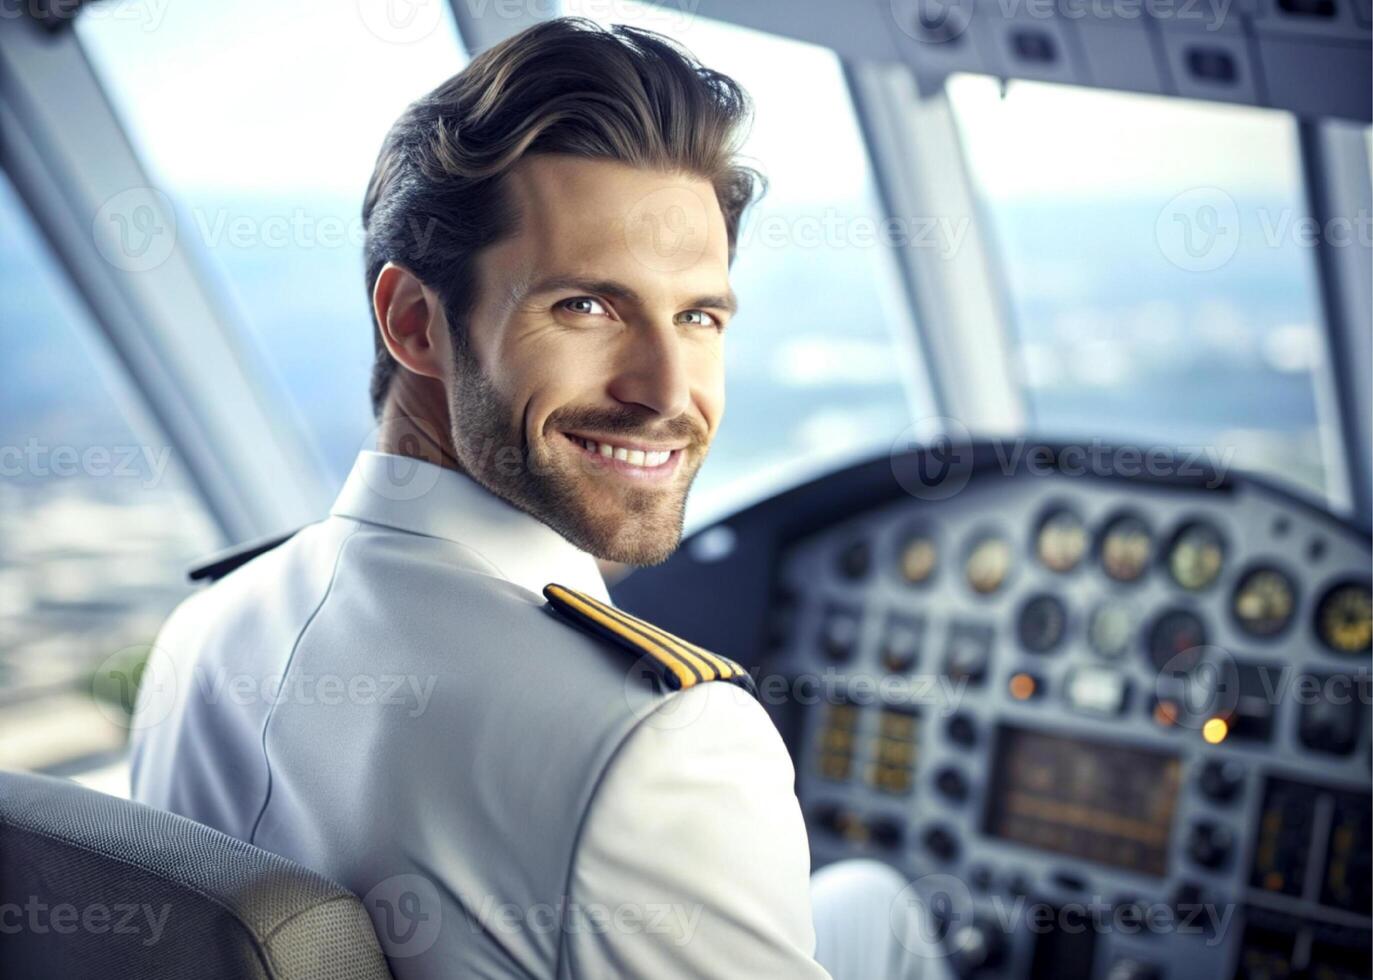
(290, 660)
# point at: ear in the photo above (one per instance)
(412, 321)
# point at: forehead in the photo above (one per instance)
(657, 231)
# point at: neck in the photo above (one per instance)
(415, 422)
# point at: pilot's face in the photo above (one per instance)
(596, 351)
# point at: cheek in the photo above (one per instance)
(708, 383)
(557, 373)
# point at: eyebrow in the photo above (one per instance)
(726, 301)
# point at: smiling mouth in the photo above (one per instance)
(636, 461)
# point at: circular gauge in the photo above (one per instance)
(989, 563)
(1344, 619)
(918, 558)
(1176, 639)
(1125, 548)
(1061, 541)
(1042, 624)
(1264, 602)
(1110, 629)
(1196, 556)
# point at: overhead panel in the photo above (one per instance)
(1312, 57)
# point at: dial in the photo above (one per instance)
(1125, 548)
(1176, 640)
(1061, 542)
(1110, 629)
(989, 563)
(1264, 602)
(1344, 619)
(1196, 557)
(1043, 621)
(918, 559)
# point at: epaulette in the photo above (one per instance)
(678, 663)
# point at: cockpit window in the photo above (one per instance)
(1162, 286)
(262, 122)
(97, 518)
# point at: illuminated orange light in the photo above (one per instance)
(1165, 713)
(1022, 687)
(1215, 730)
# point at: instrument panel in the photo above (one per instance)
(1110, 728)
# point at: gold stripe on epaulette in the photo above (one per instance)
(579, 603)
(705, 662)
(687, 663)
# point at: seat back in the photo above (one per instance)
(92, 886)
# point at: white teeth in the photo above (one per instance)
(634, 457)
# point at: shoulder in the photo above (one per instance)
(666, 660)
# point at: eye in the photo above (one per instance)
(699, 318)
(585, 305)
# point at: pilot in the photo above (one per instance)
(429, 695)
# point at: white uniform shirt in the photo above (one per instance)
(387, 699)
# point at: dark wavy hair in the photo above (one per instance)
(436, 197)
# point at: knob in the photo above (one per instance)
(951, 784)
(1221, 779)
(962, 731)
(1209, 844)
(887, 832)
(941, 842)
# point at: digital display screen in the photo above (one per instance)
(1112, 804)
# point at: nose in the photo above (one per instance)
(653, 371)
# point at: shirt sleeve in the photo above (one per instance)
(693, 860)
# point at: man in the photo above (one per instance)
(428, 695)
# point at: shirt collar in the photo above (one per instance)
(422, 498)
